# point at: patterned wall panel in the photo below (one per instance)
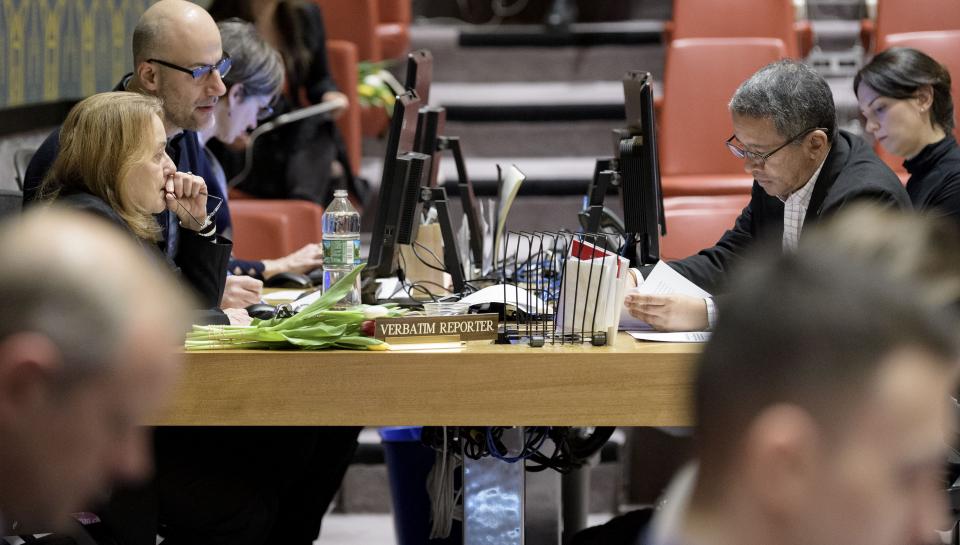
(61, 49)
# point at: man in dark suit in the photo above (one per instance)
(804, 168)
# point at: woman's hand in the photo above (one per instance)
(669, 312)
(191, 192)
(241, 291)
(302, 261)
(238, 316)
(336, 95)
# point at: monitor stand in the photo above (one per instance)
(437, 196)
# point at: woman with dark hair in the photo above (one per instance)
(904, 96)
(295, 161)
(255, 79)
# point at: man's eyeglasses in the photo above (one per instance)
(222, 67)
(761, 158)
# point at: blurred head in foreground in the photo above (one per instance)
(88, 352)
(822, 399)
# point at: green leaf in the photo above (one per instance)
(327, 300)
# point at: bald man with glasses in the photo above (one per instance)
(804, 169)
(178, 57)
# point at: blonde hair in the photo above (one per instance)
(103, 137)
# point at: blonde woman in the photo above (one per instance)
(113, 163)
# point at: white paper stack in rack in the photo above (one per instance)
(594, 285)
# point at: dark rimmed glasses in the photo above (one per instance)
(222, 67)
(761, 158)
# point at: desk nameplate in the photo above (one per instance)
(468, 327)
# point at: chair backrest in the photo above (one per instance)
(944, 46)
(701, 75)
(354, 21)
(695, 223)
(393, 27)
(305, 219)
(259, 233)
(899, 16)
(343, 68)
(737, 19)
(21, 159)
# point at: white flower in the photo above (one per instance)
(372, 312)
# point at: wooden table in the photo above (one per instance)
(482, 384)
(628, 384)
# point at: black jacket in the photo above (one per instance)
(851, 172)
(201, 261)
(934, 184)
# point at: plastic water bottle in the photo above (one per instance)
(341, 245)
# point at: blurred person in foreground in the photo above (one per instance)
(823, 398)
(81, 369)
(805, 169)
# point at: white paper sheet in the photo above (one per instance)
(663, 279)
(282, 296)
(672, 336)
(589, 286)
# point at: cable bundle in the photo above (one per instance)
(445, 505)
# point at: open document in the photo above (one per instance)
(663, 280)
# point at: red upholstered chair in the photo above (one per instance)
(258, 233)
(342, 56)
(700, 77)
(741, 19)
(899, 16)
(354, 21)
(695, 223)
(304, 219)
(379, 28)
(393, 28)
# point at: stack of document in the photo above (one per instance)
(663, 280)
(594, 285)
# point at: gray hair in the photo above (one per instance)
(256, 65)
(792, 94)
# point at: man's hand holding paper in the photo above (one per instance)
(671, 312)
(667, 301)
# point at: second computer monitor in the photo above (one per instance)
(400, 140)
(639, 169)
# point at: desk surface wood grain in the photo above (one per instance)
(628, 384)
